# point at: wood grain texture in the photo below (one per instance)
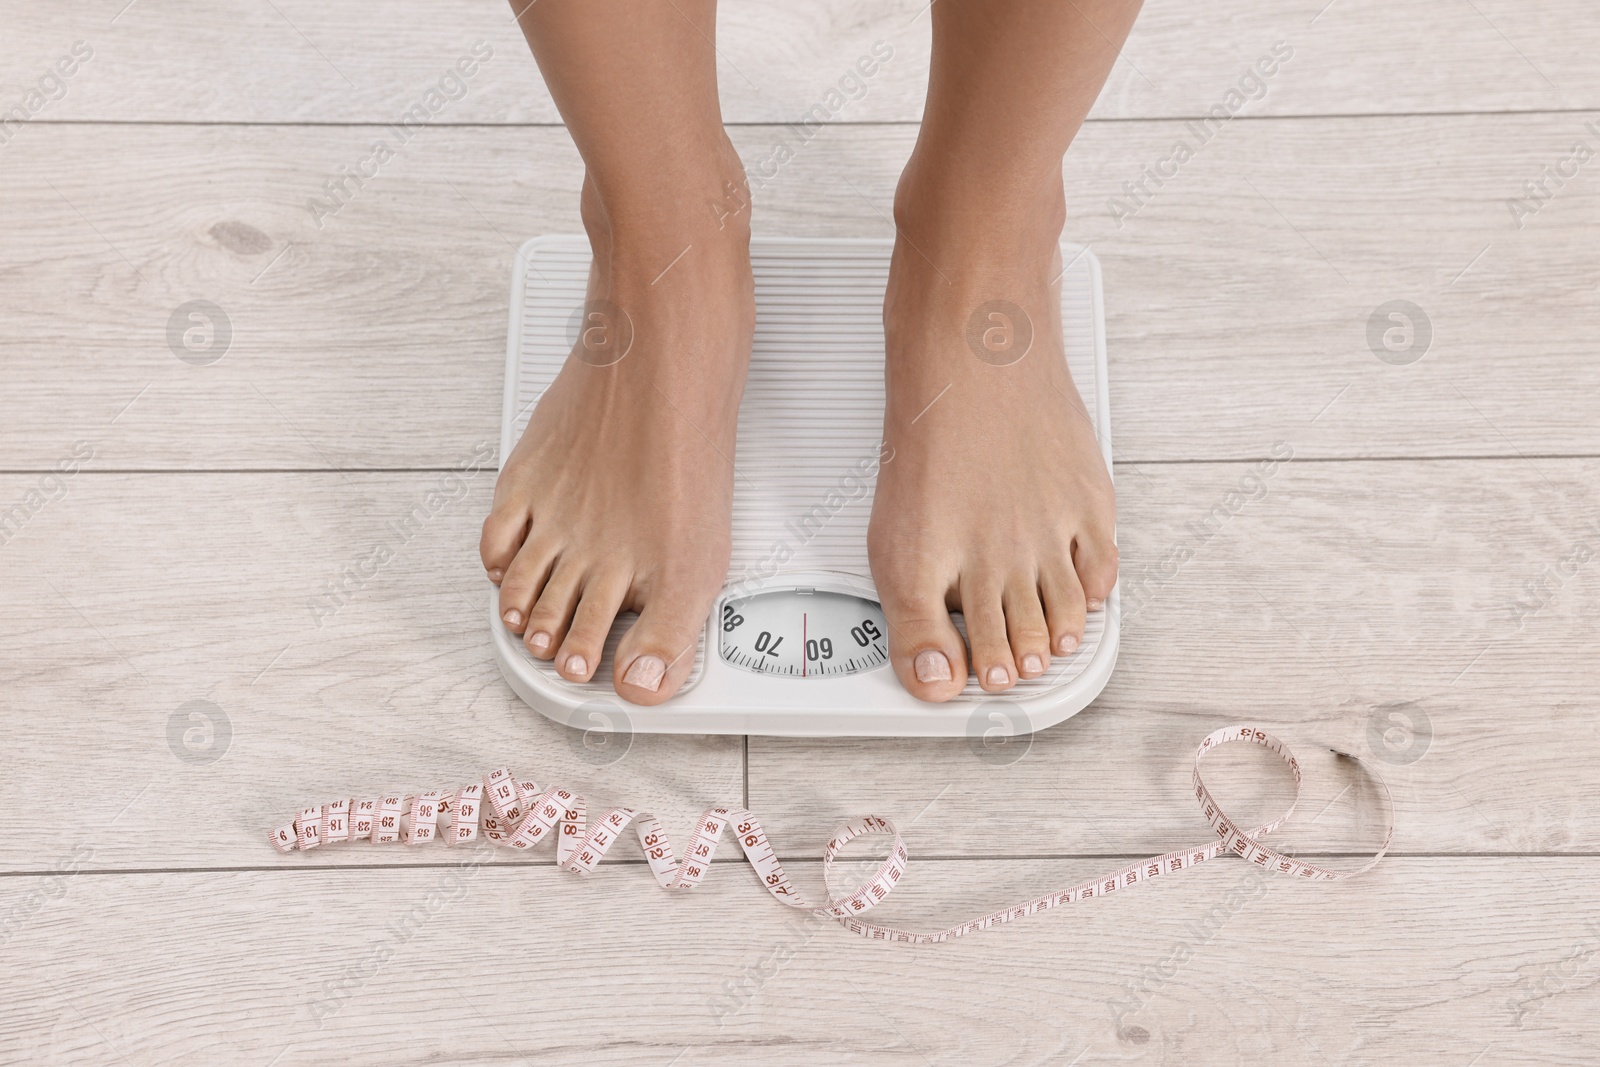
(1342, 594)
(131, 597)
(296, 61)
(1437, 615)
(1346, 600)
(1239, 296)
(536, 966)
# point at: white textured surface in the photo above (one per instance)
(810, 426)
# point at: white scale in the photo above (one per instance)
(796, 645)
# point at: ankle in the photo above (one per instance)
(706, 203)
(978, 223)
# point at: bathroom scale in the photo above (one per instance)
(795, 644)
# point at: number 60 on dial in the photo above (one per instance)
(802, 633)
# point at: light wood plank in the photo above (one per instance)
(1238, 299)
(1346, 599)
(132, 596)
(298, 61)
(537, 966)
(1347, 587)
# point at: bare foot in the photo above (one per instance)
(997, 502)
(618, 497)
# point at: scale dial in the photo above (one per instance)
(802, 633)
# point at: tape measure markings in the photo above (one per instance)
(523, 813)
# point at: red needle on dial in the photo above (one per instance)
(803, 653)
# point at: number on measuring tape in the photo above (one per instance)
(524, 813)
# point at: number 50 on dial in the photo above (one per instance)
(802, 633)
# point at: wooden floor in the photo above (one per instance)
(1419, 582)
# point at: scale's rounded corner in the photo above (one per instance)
(1089, 684)
(506, 658)
(1081, 252)
(527, 249)
(577, 713)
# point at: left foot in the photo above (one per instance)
(997, 502)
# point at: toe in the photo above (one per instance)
(1063, 607)
(591, 624)
(523, 581)
(656, 655)
(503, 534)
(924, 645)
(1026, 629)
(1094, 555)
(547, 621)
(981, 607)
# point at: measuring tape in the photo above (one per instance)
(520, 814)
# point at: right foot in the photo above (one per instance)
(619, 495)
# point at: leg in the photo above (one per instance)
(618, 496)
(997, 502)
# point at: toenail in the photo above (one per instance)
(998, 676)
(1096, 605)
(496, 574)
(646, 673)
(1033, 663)
(1068, 644)
(539, 641)
(932, 666)
(577, 665)
(513, 617)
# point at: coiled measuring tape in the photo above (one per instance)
(520, 815)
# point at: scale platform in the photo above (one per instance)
(795, 644)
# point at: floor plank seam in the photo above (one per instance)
(1121, 463)
(1119, 857)
(856, 123)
